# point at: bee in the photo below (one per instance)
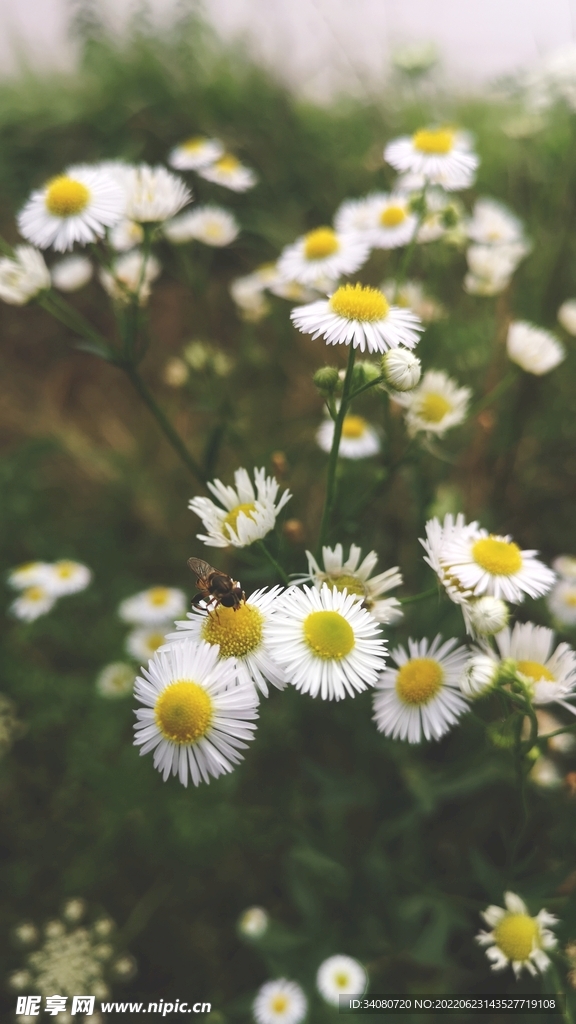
(215, 586)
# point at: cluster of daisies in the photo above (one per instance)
(41, 584)
(516, 939)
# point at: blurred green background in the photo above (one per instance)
(353, 843)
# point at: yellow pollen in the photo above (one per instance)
(517, 935)
(433, 140)
(392, 216)
(536, 671)
(213, 230)
(341, 980)
(359, 302)
(183, 712)
(498, 557)
(328, 635)
(227, 163)
(237, 632)
(279, 1004)
(571, 600)
(419, 680)
(248, 507)
(320, 243)
(433, 408)
(353, 426)
(158, 596)
(351, 583)
(65, 570)
(66, 197)
(194, 145)
(34, 593)
(154, 641)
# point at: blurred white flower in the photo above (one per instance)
(491, 267)
(71, 273)
(442, 155)
(157, 605)
(115, 680)
(544, 773)
(567, 316)
(67, 577)
(493, 224)
(415, 59)
(32, 603)
(30, 574)
(565, 566)
(142, 642)
(230, 173)
(248, 294)
(340, 976)
(561, 602)
(280, 1002)
(125, 235)
(154, 194)
(322, 253)
(359, 438)
(76, 206)
(533, 349)
(486, 615)
(195, 152)
(392, 221)
(23, 276)
(411, 295)
(212, 225)
(131, 275)
(436, 405)
(253, 922)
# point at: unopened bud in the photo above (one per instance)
(293, 530)
(450, 217)
(326, 380)
(253, 923)
(279, 464)
(417, 205)
(364, 373)
(479, 676)
(401, 369)
(175, 372)
(487, 615)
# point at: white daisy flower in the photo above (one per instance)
(212, 225)
(322, 253)
(492, 223)
(359, 439)
(75, 206)
(361, 316)
(153, 606)
(485, 616)
(437, 536)
(567, 316)
(355, 578)
(280, 1002)
(115, 680)
(422, 695)
(517, 938)
(326, 642)
(67, 577)
(248, 294)
(484, 563)
(354, 216)
(195, 152)
(549, 674)
(71, 273)
(247, 514)
(491, 267)
(253, 922)
(340, 976)
(436, 405)
(23, 275)
(230, 173)
(153, 194)
(195, 719)
(130, 277)
(125, 235)
(545, 774)
(561, 602)
(143, 641)
(533, 349)
(547, 723)
(393, 223)
(442, 155)
(240, 633)
(411, 295)
(31, 603)
(271, 279)
(30, 574)
(565, 566)
(401, 369)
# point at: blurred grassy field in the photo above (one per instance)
(353, 843)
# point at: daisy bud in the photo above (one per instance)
(364, 373)
(488, 615)
(480, 674)
(253, 923)
(327, 380)
(401, 369)
(567, 315)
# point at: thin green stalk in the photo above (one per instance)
(333, 457)
(365, 387)
(164, 423)
(278, 568)
(67, 315)
(492, 395)
(409, 252)
(420, 597)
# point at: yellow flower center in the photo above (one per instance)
(392, 216)
(351, 583)
(229, 522)
(34, 594)
(213, 230)
(353, 426)
(536, 671)
(516, 935)
(570, 600)
(328, 635)
(498, 557)
(65, 570)
(279, 1004)
(66, 197)
(154, 641)
(183, 712)
(237, 633)
(320, 243)
(359, 302)
(433, 140)
(341, 980)
(419, 680)
(227, 163)
(194, 145)
(433, 408)
(158, 596)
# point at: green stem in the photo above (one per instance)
(67, 315)
(278, 568)
(561, 991)
(333, 457)
(365, 387)
(492, 395)
(419, 597)
(409, 252)
(164, 423)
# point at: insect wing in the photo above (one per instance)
(201, 569)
